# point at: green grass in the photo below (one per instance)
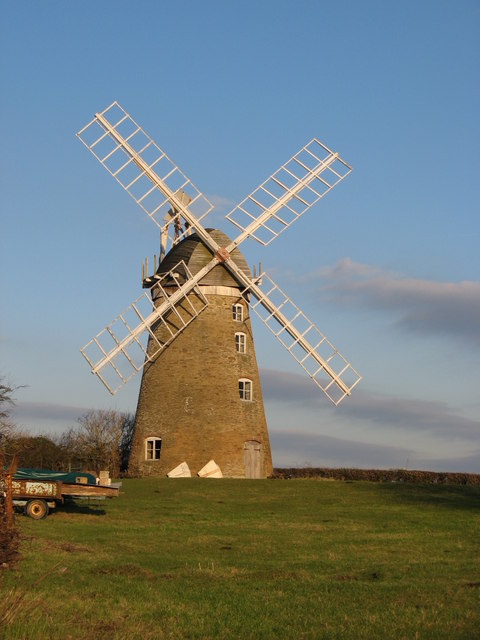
(229, 559)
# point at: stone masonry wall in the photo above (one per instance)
(189, 397)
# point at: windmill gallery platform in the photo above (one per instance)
(200, 399)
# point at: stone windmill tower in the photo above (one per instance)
(215, 411)
(200, 394)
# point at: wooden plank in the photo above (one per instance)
(88, 491)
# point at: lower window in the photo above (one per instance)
(153, 446)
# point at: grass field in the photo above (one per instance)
(265, 559)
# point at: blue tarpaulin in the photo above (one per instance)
(69, 477)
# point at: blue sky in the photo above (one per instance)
(386, 265)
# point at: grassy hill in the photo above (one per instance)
(270, 559)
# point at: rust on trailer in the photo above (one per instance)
(37, 489)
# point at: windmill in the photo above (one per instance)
(194, 400)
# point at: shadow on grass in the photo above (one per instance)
(88, 507)
(449, 496)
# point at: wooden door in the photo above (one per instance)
(253, 459)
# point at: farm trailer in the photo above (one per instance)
(37, 496)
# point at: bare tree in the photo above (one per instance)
(7, 426)
(71, 455)
(96, 441)
(5, 400)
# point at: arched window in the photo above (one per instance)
(153, 447)
(237, 312)
(241, 342)
(245, 389)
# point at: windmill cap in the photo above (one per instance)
(196, 255)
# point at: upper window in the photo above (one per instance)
(153, 447)
(237, 312)
(245, 389)
(241, 342)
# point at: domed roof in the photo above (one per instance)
(196, 255)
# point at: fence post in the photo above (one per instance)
(12, 468)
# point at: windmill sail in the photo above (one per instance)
(301, 182)
(139, 165)
(309, 347)
(120, 351)
(168, 196)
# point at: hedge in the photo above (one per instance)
(380, 475)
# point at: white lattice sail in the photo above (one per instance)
(288, 193)
(319, 358)
(143, 169)
(119, 352)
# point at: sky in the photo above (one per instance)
(386, 265)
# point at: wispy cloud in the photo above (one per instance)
(289, 388)
(27, 412)
(411, 415)
(293, 448)
(220, 202)
(422, 306)
(400, 413)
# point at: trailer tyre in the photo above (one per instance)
(36, 509)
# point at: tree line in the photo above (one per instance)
(101, 439)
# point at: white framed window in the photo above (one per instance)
(153, 447)
(237, 312)
(241, 342)
(245, 389)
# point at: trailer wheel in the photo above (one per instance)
(36, 509)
